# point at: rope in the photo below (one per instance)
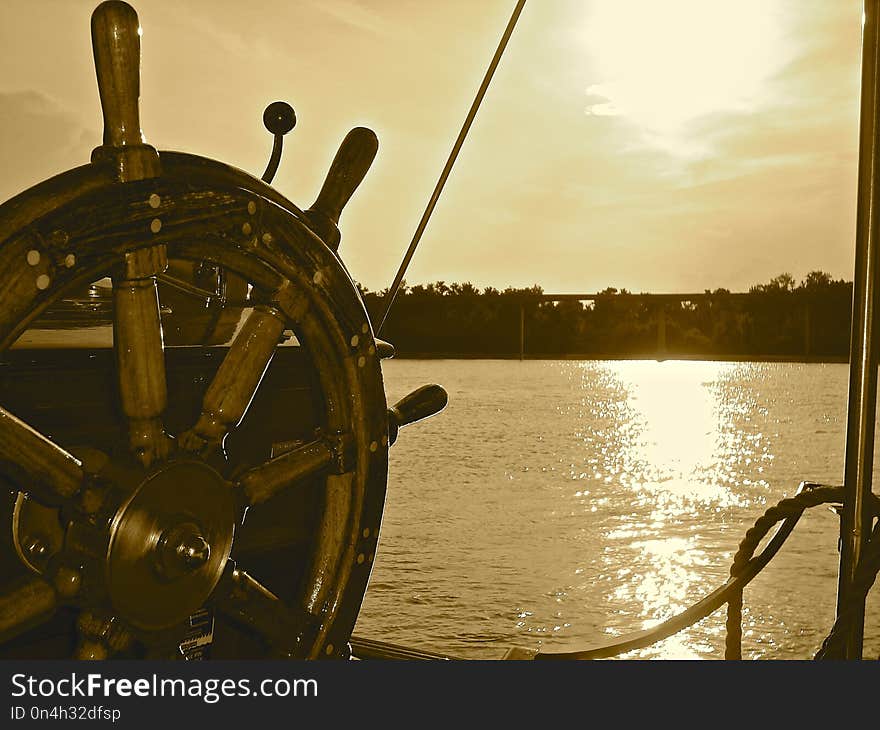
(750, 567)
(833, 647)
(733, 640)
(744, 568)
(790, 508)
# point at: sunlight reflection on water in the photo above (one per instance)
(675, 425)
(556, 503)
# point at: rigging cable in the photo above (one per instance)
(438, 188)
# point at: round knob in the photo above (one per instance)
(193, 551)
(182, 549)
(279, 117)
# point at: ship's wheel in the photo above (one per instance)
(136, 538)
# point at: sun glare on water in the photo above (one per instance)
(681, 425)
(664, 64)
(683, 460)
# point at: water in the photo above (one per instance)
(554, 504)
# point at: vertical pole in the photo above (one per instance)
(661, 330)
(522, 330)
(861, 410)
(807, 328)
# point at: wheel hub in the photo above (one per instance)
(169, 543)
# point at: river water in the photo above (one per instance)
(555, 504)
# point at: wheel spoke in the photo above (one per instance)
(269, 539)
(285, 523)
(275, 475)
(100, 636)
(45, 468)
(244, 600)
(24, 604)
(140, 356)
(233, 387)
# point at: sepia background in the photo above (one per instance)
(680, 146)
(675, 146)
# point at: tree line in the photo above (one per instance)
(781, 318)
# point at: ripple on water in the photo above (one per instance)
(556, 503)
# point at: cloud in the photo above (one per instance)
(355, 15)
(556, 184)
(39, 138)
(598, 102)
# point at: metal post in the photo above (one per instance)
(808, 335)
(661, 329)
(861, 410)
(522, 330)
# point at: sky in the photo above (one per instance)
(653, 145)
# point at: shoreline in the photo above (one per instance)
(831, 359)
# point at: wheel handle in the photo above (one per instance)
(116, 44)
(421, 403)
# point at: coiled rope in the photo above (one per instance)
(810, 495)
(791, 508)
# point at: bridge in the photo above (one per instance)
(660, 303)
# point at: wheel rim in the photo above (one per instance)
(101, 227)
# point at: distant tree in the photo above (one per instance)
(783, 283)
(466, 289)
(778, 318)
(816, 280)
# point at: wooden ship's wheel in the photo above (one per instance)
(218, 500)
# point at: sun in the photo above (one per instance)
(664, 63)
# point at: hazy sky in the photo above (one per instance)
(657, 145)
